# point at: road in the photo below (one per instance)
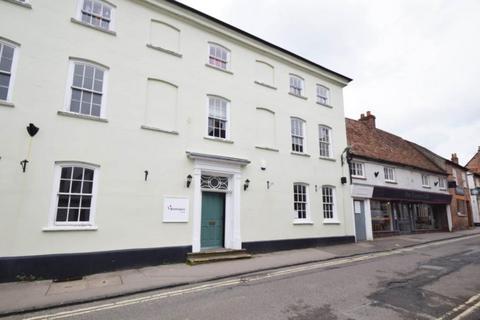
(431, 281)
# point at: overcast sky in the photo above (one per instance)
(415, 64)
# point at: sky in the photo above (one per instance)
(415, 64)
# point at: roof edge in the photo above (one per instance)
(441, 172)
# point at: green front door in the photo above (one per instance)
(213, 217)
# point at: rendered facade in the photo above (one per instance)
(160, 131)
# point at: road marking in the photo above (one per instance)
(466, 305)
(242, 280)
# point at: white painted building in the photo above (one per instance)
(162, 131)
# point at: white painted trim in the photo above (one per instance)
(113, 8)
(229, 56)
(232, 201)
(227, 133)
(308, 213)
(334, 219)
(13, 69)
(368, 217)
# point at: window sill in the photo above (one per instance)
(442, 189)
(219, 69)
(331, 221)
(359, 177)
(325, 105)
(461, 215)
(70, 228)
(218, 139)
(144, 127)
(300, 154)
(110, 32)
(173, 53)
(21, 4)
(328, 159)
(265, 85)
(80, 116)
(297, 96)
(267, 148)
(7, 104)
(426, 187)
(391, 182)
(302, 222)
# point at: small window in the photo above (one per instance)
(357, 170)
(323, 94)
(441, 183)
(461, 208)
(87, 89)
(7, 54)
(218, 117)
(325, 142)
(328, 198)
(425, 181)
(296, 85)
(300, 201)
(218, 56)
(75, 195)
(298, 134)
(97, 13)
(389, 174)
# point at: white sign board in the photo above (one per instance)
(175, 209)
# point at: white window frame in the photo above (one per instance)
(307, 219)
(227, 128)
(319, 97)
(302, 85)
(304, 138)
(425, 181)
(355, 165)
(111, 25)
(68, 96)
(330, 147)
(387, 179)
(53, 225)
(334, 218)
(13, 68)
(227, 62)
(442, 183)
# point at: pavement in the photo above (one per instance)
(21, 297)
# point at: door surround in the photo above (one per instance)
(229, 167)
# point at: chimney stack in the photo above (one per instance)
(454, 158)
(368, 119)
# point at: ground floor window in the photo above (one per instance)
(461, 208)
(382, 216)
(424, 218)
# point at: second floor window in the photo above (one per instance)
(389, 174)
(87, 89)
(325, 142)
(7, 52)
(425, 180)
(441, 183)
(217, 117)
(97, 13)
(296, 85)
(298, 134)
(218, 56)
(356, 169)
(323, 94)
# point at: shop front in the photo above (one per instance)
(396, 211)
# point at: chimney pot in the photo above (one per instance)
(454, 158)
(368, 114)
(478, 148)
(369, 119)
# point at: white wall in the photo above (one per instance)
(475, 198)
(129, 210)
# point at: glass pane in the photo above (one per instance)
(76, 186)
(77, 81)
(98, 85)
(106, 12)
(88, 80)
(96, 21)
(7, 52)
(77, 173)
(63, 201)
(3, 93)
(88, 175)
(61, 215)
(65, 186)
(86, 201)
(95, 111)
(66, 173)
(84, 214)
(73, 215)
(76, 94)
(4, 80)
(97, 99)
(85, 109)
(74, 201)
(75, 106)
(87, 5)
(87, 187)
(97, 8)
(78, 70)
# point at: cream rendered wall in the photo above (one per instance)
(129, 210)
(406, 178)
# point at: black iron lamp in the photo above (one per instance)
(189, 180)
(32, 131)
(246, 184)
(146, 175)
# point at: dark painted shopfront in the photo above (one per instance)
(405, 211)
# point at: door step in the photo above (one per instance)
(216, 255)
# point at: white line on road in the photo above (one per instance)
(214, 285)
(467, 306)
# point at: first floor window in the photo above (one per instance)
(441, 183)
(7, 52)
(425, 181)
(389, 174)
(325, 141)
(218, 56)
(87, 89)
(97, 13)
(217, 117)
(75, 193)
(356, 169)
(296, 85)
(323, 94)
(298, 134)
(300, 200)
(328, 197)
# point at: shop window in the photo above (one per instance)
(381, 216)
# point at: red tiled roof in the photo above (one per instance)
(372, 143)
(474, 164)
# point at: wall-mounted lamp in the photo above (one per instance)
(246, 184)
(23, 163)
(146, 175)
(189, 180)
(32, 129)
(343, 180)
(376, 173)
(435, 183)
